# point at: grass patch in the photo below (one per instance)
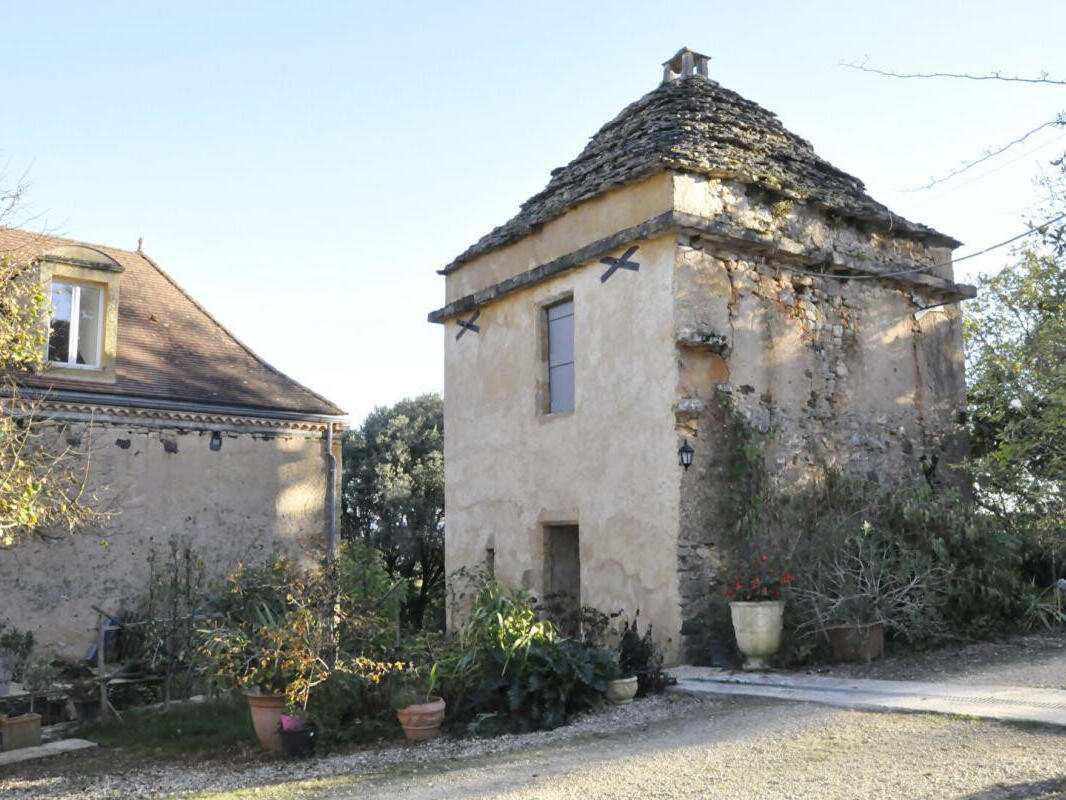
(186, 728)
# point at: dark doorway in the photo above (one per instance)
(562, 577)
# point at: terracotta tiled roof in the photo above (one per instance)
(695, 125)
(170, 347)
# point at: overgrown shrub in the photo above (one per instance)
(289, 630)
(973, 570)
(963, 569)
(352, 704)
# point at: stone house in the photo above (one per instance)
(188, 433)
(696, 256)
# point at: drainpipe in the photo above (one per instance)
(331, 494)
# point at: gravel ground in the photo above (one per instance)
(671, 746)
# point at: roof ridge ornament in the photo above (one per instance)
(683, 63)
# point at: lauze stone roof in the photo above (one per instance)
(170, 347)
(693, 124)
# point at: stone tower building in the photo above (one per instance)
(695, 256)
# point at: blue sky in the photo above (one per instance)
(303, 168)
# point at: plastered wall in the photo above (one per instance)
(258, 494)
(609, 467)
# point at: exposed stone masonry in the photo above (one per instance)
(838, 372)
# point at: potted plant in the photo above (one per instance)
(757, 608)
(639, 663)
(420, 713)
(622, 684)
(867, 584)
(24, 730)
(273, 641)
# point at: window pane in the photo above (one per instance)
(560, 341)
(59, 335)
(561, 310)
(561, 387)
(89, 326)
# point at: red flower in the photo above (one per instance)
(755, 583)
(764, 590)
(764, 556)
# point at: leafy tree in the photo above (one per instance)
(42, 479)
(394, 496)
(1016, 362)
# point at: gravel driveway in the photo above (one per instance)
(673, 746)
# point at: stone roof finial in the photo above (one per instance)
(683, 63)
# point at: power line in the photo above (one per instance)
(989, 249)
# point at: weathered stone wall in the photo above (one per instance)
(259, 494)
(839, 372)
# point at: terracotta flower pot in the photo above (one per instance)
(857, 642)
(421, 721)
(266, 717)
(758, 630)
(21, 731)
(622, 690)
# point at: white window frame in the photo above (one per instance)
(75, 324)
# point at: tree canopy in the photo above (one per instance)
(394, 495)
(1016, 365)
(42, 478)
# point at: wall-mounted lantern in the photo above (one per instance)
(684, 455)
(216, 440)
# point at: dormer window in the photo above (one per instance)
(83, 284)
(76, 329)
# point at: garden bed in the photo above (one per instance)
(137, 772)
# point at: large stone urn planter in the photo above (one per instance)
(266, 717)
(622, 690)
(758, 630)
(421, 721)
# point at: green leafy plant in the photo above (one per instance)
(1043, 608)
(276, 631)
(508, 670)
(15, 649)
(38, 676)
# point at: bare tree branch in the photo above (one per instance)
(1042, 78)
(1059, 120)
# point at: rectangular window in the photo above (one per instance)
(561, 357)
(77, 325)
